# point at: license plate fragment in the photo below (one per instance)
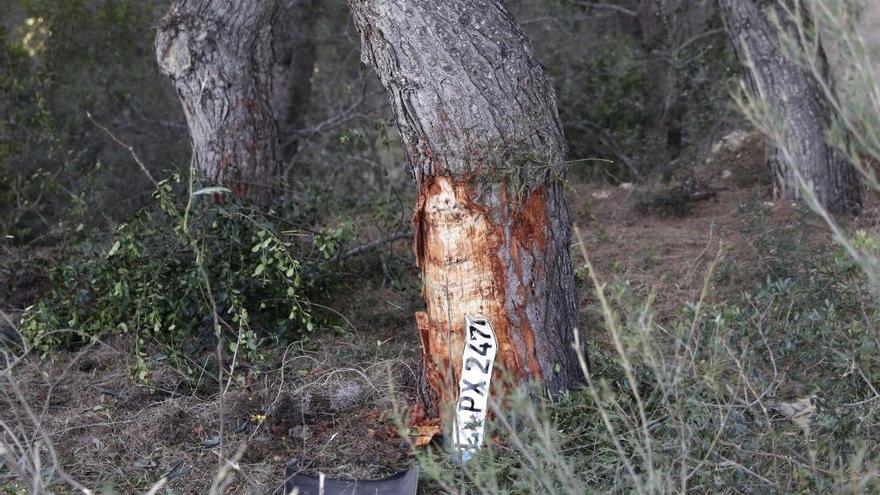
(478, 358)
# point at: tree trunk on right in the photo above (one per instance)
(794, 96)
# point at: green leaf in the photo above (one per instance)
(113, 249)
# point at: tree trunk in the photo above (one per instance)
(478, 120)
(219, 55)
(795, 98)
(294, 46)
(663, 128)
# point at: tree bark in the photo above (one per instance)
(794, 96)
(294, 46)
(478, 120)
(219, 55)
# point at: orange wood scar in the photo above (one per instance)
(458, 248)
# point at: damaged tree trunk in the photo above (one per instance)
(796, 99)
(478, 120)
(219, 55)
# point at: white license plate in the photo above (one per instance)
(477, 360)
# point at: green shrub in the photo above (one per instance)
(148, 280)
(24, 124)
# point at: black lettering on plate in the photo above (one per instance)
(484, 348)
(468, 386)
(483, 367)
(474, 330)
(472, 407)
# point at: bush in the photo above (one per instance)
(24, 124)
(150, 280)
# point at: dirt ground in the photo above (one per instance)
(660, 252)
(319, 411)
(331, 405)
(335, 404)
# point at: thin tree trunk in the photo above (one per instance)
(478, 120)
(794, 96)
(219, 55)
(294, 46)
(663, 128)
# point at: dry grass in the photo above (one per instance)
(322, 410)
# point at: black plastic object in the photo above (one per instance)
(402, 483)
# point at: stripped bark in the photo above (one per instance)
(219, 55)
(478, 120)
(794, 96)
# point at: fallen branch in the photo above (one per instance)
(363, 248)
(607, 6)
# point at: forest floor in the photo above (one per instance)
(333, 406)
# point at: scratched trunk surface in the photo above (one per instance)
(219, 55)
(492, 231)
(794, 95)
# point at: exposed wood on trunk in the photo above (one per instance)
(294, 46)
(219, 55)
(793, 95)
(492, 230)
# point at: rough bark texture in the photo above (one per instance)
(663, 129)
(219, 55)
(492, 230)
(793, 94)
(294, 46)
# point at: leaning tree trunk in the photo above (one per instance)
(794, 96)
(294, 46)
(219, 55)
(478, 120)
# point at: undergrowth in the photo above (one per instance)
(770, 392)
(147, 281)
